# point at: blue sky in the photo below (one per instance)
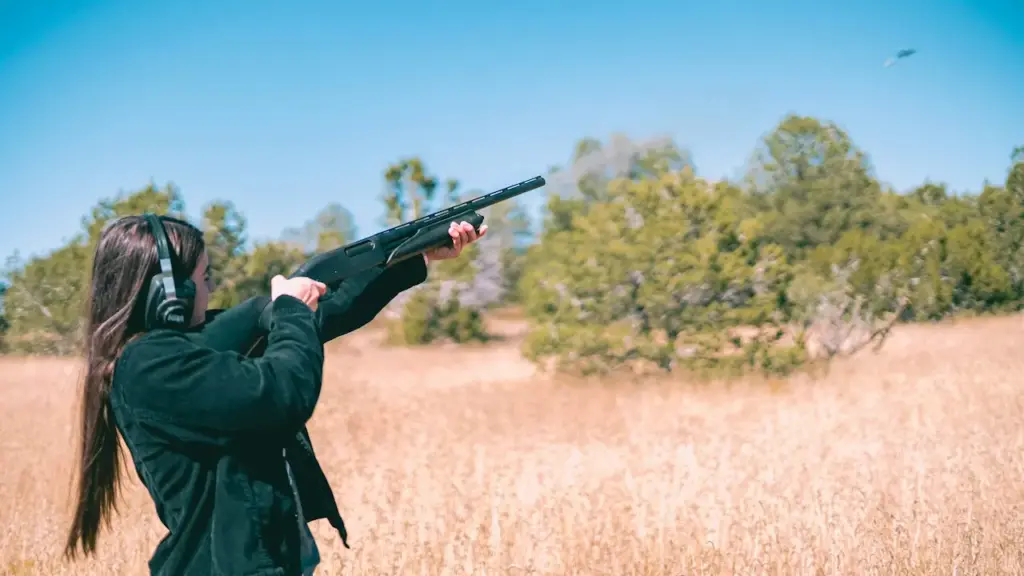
(285, 110)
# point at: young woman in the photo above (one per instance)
(217, 438)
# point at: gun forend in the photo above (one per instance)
(433, 236)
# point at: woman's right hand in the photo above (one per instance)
(307, 290)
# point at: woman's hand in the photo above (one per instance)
(307, 290)
(463, 234)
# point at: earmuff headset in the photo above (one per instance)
(170, 299)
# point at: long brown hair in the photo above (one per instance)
(124, 262)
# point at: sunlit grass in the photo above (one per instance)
(449, 461)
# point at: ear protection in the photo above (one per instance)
(170, 299)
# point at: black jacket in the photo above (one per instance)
(206, 427)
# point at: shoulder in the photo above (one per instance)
(239, 312)
(235, 328)
(154, 356)
(147, 363)
(155, 344)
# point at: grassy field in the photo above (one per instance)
(449, 461)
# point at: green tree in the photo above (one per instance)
(1015, 179)
(813, 184)
(846, 296)
(1003, 216)
(443, 307)
(266, 260)
(922, 258)
(167, 200)
(971, 259)
(930, 194)
(224, 230)
(333, 227)
(46, 296)
(669, 270)
(244, 274)
(410, 191)
(4, 324)
(594, 164)
(508, 232)
(44, 301)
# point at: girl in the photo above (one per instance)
(217, 439)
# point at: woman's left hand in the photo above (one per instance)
(462, 234)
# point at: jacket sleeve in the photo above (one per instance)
(212, 396)
(235, 329)
(352, 304)
(359, 299)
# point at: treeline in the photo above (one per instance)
(44, 298)
(637, 262)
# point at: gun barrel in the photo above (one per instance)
(477, 203)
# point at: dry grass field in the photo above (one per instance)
(450, 461)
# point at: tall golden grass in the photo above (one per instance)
(466, 461)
